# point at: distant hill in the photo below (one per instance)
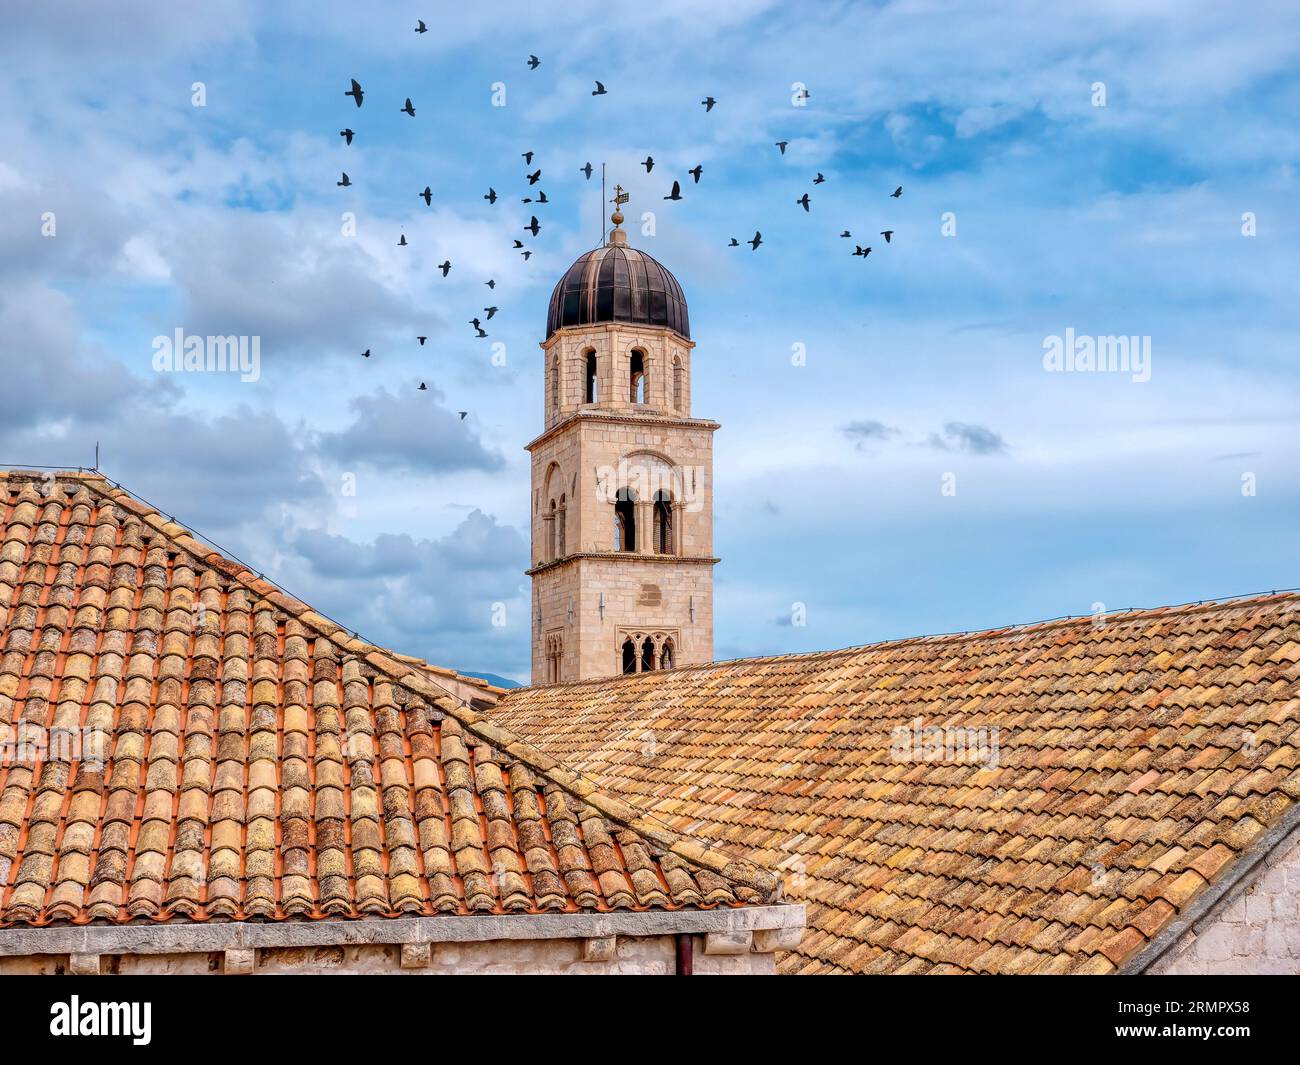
(493, 678)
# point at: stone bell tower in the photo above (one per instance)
(622, 501)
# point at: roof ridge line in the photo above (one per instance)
(575, 783)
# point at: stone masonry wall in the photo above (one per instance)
(1254, 930)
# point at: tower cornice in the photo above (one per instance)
(623, 418)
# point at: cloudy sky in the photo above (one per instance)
(916, 470)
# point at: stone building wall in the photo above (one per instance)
(1255, 929)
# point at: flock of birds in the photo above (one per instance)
(538, 197)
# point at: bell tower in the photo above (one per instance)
(622, 476)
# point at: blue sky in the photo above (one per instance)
(924, 363)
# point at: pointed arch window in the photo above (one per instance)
(625, 520)
(664, 543)
(592, 386)
(550, 532)
(629, 656)
(637, 378)
(560, 549)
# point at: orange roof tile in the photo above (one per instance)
(259, 761)
(1138, 762)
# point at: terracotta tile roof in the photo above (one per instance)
(1136, 761)
(263, 763)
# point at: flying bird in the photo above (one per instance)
(528, 157)
(649, 163)
(355, 92)
(423, 387)
(489, 311)
(347, 135)
(802, 201)
(526, 254)
(897, 192)
(490, 284)
(676, 194)
(420, 27)
(887, 234)
(819, 179)
(541, 197)
(491, 196)
(599, 90)
(345, 182)
(782, 145)
(427, 196)
(478, 325)
(534, 62)
(708, 103)
(421, 340)
(445, 267)
(463, 414)
(846, 233)
(409, 108)
(696, 171)
(860, 250)
(518, 244)
(402, 243)
(533, 226)
(585, 170)
(734, 243)
(534, 177)
(366, 354)
(758, 239)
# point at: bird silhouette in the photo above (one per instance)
(366, 354)
(541, 197)
(846, 233)
(534, 177)
(423, 387)
(819, 179)
(490, 284)
(533, 226)
(534, 62)
(345, 182)
(528, 158)
(463, 414)
(758, 239)
(478, 325)
(734, 243)
(782, 145)
(355, 92)
(804, 94)
(489, 311)
(649, 163)
(860, 250)
(676, 194)
(420, 27)
(491, 196)
(347, 135)
(402, 242)
(897, 192)
(445, 267)
(802, 201)
(421, 340)
(599, 90)
(409, 108)
(708, 103)
(427, 196)
(887, 234)
(696, 171)
(526, 254)
(518, 244)
(585, 170)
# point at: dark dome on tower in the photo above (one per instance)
(616, 283)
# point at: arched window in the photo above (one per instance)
(647, 655)
(555, 383)
(679, 385)
(638, 379)
(554, 657)
(591, 377)
(560, 511)
(666, 656)
(625, 520)
(629, 656)
(663, 514)
(550, 532)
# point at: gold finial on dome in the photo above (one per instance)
(617, 236)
